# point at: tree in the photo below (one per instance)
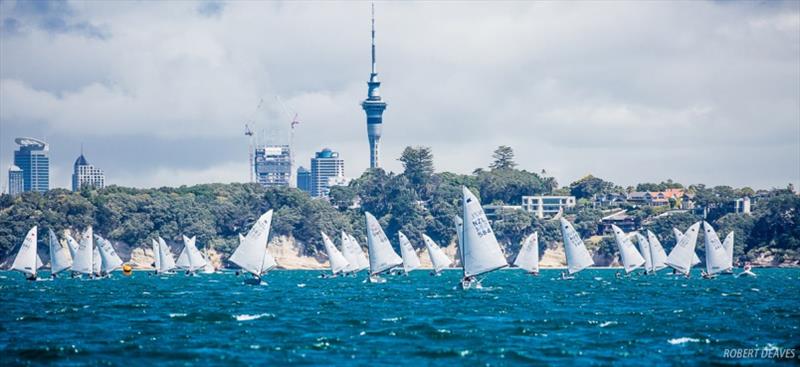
(590, 186)
(418, 167)
(503, 158)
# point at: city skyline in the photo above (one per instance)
(707, 94)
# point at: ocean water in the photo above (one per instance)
(299, 318)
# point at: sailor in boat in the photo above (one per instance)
(533, 273)
(566, 276)
(468, 282)
(706, 275)
(31, 277)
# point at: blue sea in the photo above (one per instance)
(298, 318)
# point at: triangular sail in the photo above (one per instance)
(382, 256)
(156, 258)
(338, 262)
(409, 255)
(678, 235)
(680, 258)
(728, 245)
(578, 257)
(716, 255)
(252, 254)
(353, 252)
(631, 258)
(165, 260)
(26, 259)
(60, 258)
(644, 249)
(110, 259)
(97, 261)
(657, 253)
(438, 258)
(528, 256)
(72, 245)
(84, 256)
(190, 258)
(459, 223)
(482, 253)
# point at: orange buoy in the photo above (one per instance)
(127, 269)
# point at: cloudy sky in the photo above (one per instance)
(158, 92)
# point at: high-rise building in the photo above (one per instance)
(15, 180)
(304, 179)
(86, 175)
(325, 166)
(273, 165)
(33, 158)
(373, 106)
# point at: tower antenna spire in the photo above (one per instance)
(374, 71)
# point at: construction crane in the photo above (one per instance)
(249, 131)
(294, 122)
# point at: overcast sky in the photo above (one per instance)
(158, 92)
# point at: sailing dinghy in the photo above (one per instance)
(84, 255)
(528, 256)
(27, 260)
(716, 254)
(657, 254)
(353, 253)
(630, 257)
(109, 260)
(407, 252)
(439, 259)
(190, 258)
(728, 245)
(678, 235)
(681, 258)
(253, 255)
(338, 262)
(60, 257)
(481, 252)
(382, 256)
(577, 255)
(166, 263)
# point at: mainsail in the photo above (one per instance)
(353, 253)
(578, 257)
(631, 258)
(678, 235)
(410, 258)
(644, 249)
(481, 252)
(528, 256)
(27, 260)
(438, 258)
(190, 257)
(97, 261)
(165, 260)
(72, 245)
(60, 258)
(381, 254)
(460, 235)
(728, 245)
(109, 257)
(716, 254)
(657, 253)
(82, 262)
(252, 254)
(682, 255)
(338, 262)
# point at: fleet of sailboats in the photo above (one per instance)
(479, 252)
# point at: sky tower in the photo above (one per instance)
(373, 106)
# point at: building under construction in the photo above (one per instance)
(273, 165)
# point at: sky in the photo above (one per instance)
(158, 93)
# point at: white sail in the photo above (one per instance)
(27, 260)
(716, 255)
(382, 256)
(60, 258)
(528, 256)
(352, 251)
(678, 235)
(110, 259)
(578, 257)
(84, 256)
(459, 223)
(156, 258)
(190, 257)
(657, 253)
(72, 245)
(165, 260)
(97, 261)
(630, 257)
(252, 254)
(338, 262)
(682, 255)
(728, 245)
(482, 253)
(439, 259)
(644, 249)
(410, 258)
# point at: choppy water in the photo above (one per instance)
(416, 320)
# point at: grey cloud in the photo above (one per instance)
(211, 8)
